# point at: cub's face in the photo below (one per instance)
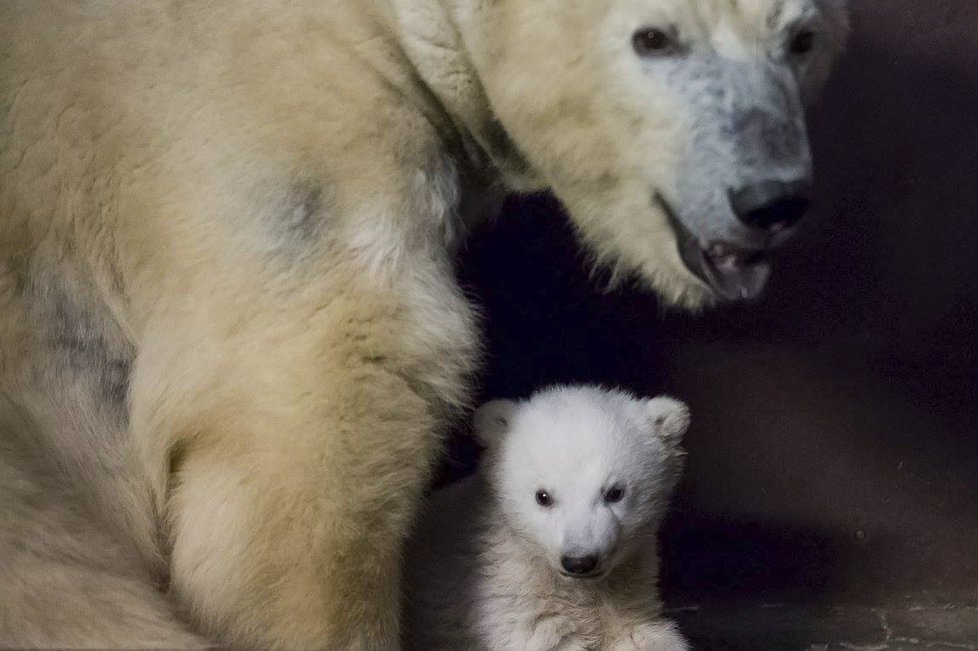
(583, 477)
(673, 130)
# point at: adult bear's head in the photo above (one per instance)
(673, 130)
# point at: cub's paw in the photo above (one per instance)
(553, 634)
(658, 636)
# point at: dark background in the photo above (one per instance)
(834, 453)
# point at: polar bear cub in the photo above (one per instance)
(553, 543)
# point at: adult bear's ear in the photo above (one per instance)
(670, 418)
(491, 421)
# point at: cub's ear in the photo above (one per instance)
(670, 418)
(491, 421)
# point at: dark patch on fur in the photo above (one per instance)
(299, 223)
(503, 149)
(78, 342)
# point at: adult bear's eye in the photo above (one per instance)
(614, 495)
(802, 42)
(544, 499)
(652, 41)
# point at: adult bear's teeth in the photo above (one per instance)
(723, 258)
(722, 254)
(730, 261)
(718, 250)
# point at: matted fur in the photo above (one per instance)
(228, 321)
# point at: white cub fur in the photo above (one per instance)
(552, 544)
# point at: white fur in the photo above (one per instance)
(228, 317)
(485, 569)
(66, 582)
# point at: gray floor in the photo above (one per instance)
(779, 626)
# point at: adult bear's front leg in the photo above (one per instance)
(300, 430)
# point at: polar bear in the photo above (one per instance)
(228, 316)
(552, 544)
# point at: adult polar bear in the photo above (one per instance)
(230, 332)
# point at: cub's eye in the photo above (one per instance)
(614, 495)
(544, 499)
(802, 42)
(652, 41)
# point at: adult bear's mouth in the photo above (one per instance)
(733, 273)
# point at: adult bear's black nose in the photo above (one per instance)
(772, 205)
(579, 565)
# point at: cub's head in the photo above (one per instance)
(581, 474)
(673, 130)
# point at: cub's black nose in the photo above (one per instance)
(579, 564)
(772, 205)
